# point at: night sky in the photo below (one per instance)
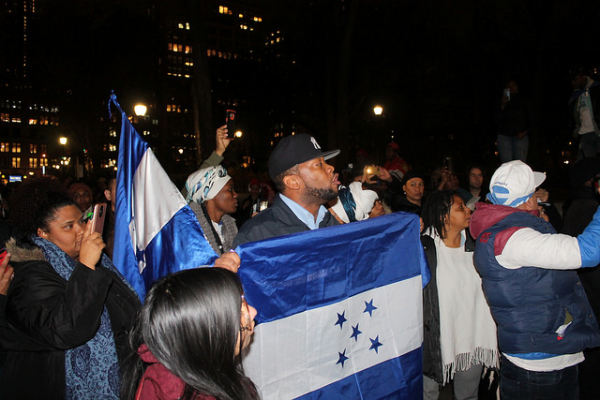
(437, 67)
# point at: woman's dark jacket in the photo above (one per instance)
(46, 315)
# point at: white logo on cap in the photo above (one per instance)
(314, 142)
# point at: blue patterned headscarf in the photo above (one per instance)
(206, 183)
(92, 369)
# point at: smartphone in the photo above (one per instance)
(98, 218)
(372, 170)
(230, 120)
(3, 254)
(507, 93)
(448, 163)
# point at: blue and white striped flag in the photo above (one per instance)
(156, 232)
(339, 311)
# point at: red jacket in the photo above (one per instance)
(158, 383)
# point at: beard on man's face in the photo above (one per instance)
(322, 194)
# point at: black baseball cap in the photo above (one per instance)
(294, 150)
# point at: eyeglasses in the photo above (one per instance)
(246, 320)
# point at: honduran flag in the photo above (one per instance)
(339, 311)
(156, 232)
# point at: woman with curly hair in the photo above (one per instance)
(459, 331)
(68, 308)
(189, 337)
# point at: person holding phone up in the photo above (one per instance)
(68, 309)
(514, 123)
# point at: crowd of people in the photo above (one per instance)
(507, 292)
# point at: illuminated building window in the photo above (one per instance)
(43, 162)
(16, 162)
(188, 50)
(112, 147)
(241, 15)
(175, 48)
(43, 120)
(33, 148)
(5, 117)
(180, 25)
(4, 147)
(16, 120)
(257, 19)
(223, 10)
(16, 147)
(187, 26)
(112, 133)
(33, 163)
(244, 27)
(33, 121)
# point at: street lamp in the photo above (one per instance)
(140, 110)
(238, 134)
(378, 110)
(62, 140)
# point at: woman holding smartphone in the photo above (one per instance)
(69, 310)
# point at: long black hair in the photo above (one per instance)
(190, 322)
(435, 210)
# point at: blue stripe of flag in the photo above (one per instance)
(297, 279)
(406, 372)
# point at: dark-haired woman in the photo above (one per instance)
(460, 333)
(413, 187)
(189, 335)
(68, 309)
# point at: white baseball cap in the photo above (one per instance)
(514, 183)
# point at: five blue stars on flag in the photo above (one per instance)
(341, 319)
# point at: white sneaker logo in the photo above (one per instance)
(314, 142)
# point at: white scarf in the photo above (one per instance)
(467, 329)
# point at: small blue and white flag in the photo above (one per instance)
(339, 311)
(156, 232)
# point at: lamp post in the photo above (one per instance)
(380, 127)
(64, 159)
